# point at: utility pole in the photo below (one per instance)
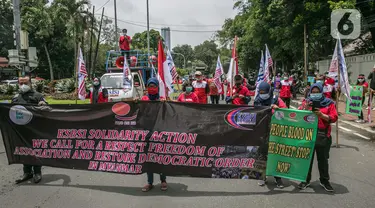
(148, 34)
(116, 24)
(305, 51)
(17, 28)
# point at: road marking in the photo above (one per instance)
(345, 129)
(360, 135)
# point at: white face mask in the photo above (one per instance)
(96, 83)
(25, 88)
(264, 96)
(361, 80)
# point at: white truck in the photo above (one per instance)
(116, 92)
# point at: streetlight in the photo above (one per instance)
(182, 56)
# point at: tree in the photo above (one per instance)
(207, 52)
(37, 19)
(185, 50)
(139, 41)
(6, 27)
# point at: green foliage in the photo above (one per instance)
(6, 27)
(207, 52)
(7, 89)
(280, 24)
(139, 40)
(65, 86)
(63, 96)
(185, 50)
(182, 72)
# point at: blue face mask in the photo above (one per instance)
(319, 81)
(316, 96)
(264, 96)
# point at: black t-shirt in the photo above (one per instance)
(30, 97)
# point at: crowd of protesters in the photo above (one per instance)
(319, 98)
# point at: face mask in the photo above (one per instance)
(264, 96)
(153, 90)
(24, 88)
(189, 89)
(199, 79)
(96, 83)
(316, 96)
(361, 80)
(285, 78)
(319, 81)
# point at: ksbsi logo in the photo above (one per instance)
(239, 119)
(122, 110)
(19, 115)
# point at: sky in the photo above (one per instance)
(179, 15)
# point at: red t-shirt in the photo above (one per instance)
(125, 43)
(240, 91)
(330, 111)
(213, 88)
(285, 91)
(188, 98)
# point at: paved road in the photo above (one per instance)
(352, 171)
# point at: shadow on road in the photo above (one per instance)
(48, 178)
(181, 190)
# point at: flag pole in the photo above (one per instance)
(338, 98)
(77, 68)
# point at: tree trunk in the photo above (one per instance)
(49, 63)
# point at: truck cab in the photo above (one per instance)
(140, 73)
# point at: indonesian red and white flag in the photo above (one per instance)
(82, 74)
(233, 67)
(164, 74)
(218, 72)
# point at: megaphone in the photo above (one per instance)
(120, 62)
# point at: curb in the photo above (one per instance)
(359, 128)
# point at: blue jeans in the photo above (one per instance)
(150, 178)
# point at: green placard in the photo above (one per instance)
(355, 107)
(291, 143)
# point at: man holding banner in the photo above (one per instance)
(326, 111)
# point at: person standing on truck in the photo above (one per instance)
(29, 96)
(124, 43)
(201, 88)
(153, 95)
(97, 93)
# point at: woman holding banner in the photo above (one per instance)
(266, 98)
(326, 111)
(153, 95)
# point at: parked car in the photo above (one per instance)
(9, 82)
